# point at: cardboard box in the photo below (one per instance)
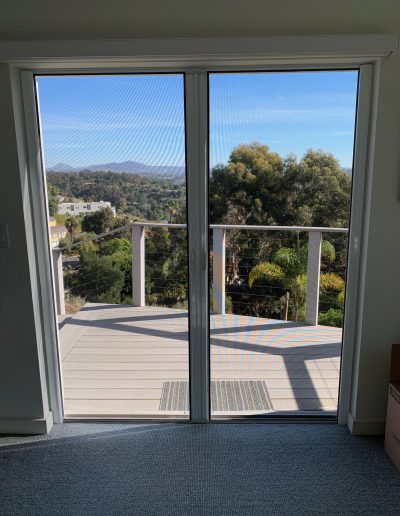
(392, 433)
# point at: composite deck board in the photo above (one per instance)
(93, 383)
(116, 360)
(130, 375)
(155, 393)
(184, 374)
(133, 347)
(272, 383)
(113, 394)
(257, 370)
(126, 358)
(247, 360)
(131, 350)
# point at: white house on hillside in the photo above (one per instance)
(78, 208)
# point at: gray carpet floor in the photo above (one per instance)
(219, 469)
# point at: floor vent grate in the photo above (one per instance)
(175, 396)
(226, 396)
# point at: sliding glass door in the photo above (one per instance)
(214, 206)
(281, 157)
(114, 159)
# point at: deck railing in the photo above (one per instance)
(138, 230)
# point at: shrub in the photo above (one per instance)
(228, 304)
(331, 288)
(98, 279)
(87, 250)
(116, 245)
(73, 303)
(328, 251)
(290, 260)
(333, 317)
(331, 283)
(269, 272)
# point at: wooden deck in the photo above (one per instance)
(120, 361)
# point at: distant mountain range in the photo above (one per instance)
(130, 167)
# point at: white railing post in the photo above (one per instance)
(219, 270)
(58, 281)
(313, 275)
(138, 263)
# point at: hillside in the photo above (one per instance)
(130, 167)
(134, 194)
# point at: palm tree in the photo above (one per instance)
(71, 224)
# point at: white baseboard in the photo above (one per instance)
(22, 426)
(365, 427)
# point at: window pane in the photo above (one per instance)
(281, 154)
(114, 153)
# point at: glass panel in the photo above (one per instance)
(281, 154)
(114, 153)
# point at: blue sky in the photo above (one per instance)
(99, 119)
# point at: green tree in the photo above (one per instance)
(52, 191)
(259, 187)
(98, 279)
(120, 251)
(173, 209)
(247, 189)
(135, 195)
(287, 270)
(166, 267)
(116, 245)
(256, 186)
(318, 191)
(99, 221)
(71, 225)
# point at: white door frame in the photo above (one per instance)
(196, 88)
(196, 103)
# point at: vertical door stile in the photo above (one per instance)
(196, 101)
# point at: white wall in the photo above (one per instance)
(74, 19)
(380, 310)
(21, 385)
(23, 397)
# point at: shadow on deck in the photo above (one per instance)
(122, 361)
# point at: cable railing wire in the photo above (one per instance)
(243, 251)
